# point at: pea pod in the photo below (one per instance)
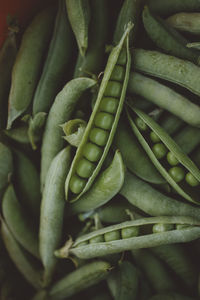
(6, 166)
(103, 120)
(188, 133)
(130, 235)
(18, 134)
(188, 22)
(106, 186)
(74, 131)
(36, 125)
(170, 145)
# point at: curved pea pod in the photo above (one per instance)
(80, 279)
(123, 282)
(166, 98)
(79, 10)
(109, 240)
(134, 156)
(52, 212)
(74, 131)
(28, 63)
(113, 85)
(56, 64)
(6, 167)
(171, 146)
(106, 186)
(188, 22)
(7, 57)
(21, 259)
(60, 113)
(35, 129)
(18, 222)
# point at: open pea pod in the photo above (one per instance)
(163, 163)
(103, 121)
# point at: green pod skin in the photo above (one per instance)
(26, 182)
(170, 123)
(74, 130)
(106, 186)
(40, 295)
(80, 279)
(171, 68)
(7, 57)
(196, 157)
(170, 296)
(103, 91)
(25, 74)
(171, 145)
(35, 128)
(52, 141)
(175, 257)
(92, 62)
(164, 97)
(79, 10)
(52, 212)
(134, 156)
(123, 282)
(18, 134)
(166, 38)
(88, 250)
(6, 167)
(18, 222)
(148, 199)
(188, 138)
(22, 261)
(56, 64)
(187, 22)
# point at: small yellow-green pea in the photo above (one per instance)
(159, 150)
(77, 184)
(97, 239)
(141, 124)
(104, 120)
(191, 180)
(118, 73)
(85, 168)
(112, 236)
(129, 232)
(122, 57)
(84, 243)
(154, 137)
(92, 152)
(99, 136)
(160, 227)
(177, 173)
(113, 89)
(181, 226)
(109, 104)
(172, 160)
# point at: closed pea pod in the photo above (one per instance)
(188, 22)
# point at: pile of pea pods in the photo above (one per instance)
(100, 152)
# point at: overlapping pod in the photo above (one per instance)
(102, 124)
(132, 235)
(170, 146)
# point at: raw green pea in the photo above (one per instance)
(141, 124)
(129, 232)
(113, 89)
(118, 73)
(157, 228)
(159, 150)
(77, 184)
(154, 137)
(96, 239)
(191, 180)
(85, 168)
(177, 173)
(109, 105)
(104, 120)
(99, 136)
(112, 236)
(172, 160)
(92, 152)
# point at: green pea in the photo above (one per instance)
(99, 136)
(77, 184)
(172, 160)
(113, 89)
(109, 105)
(96, 239)
(177, 173)
(160, 227)
(85, 168)
(122, 58)
(159, 150)
(118, 73)
(112, 236)
(141, 124)
(104, 120)
(129, 232)
(191, 180)
(154, 137)
(92, 152)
